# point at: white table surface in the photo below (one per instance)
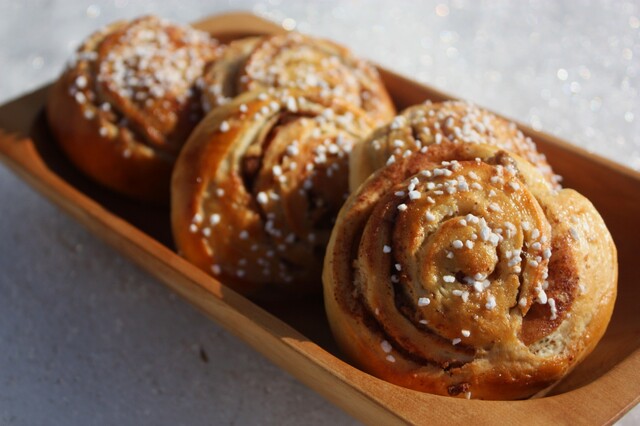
(88, 338)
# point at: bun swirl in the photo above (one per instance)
(470, 277)
(258, 186)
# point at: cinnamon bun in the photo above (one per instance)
(421, 126)
(464, 273)
(257, 187)
(127, 102)
(300, 62)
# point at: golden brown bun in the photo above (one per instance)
(123, 108)
(469, 277)
(299, 62)
(421, 126)
(257, 188)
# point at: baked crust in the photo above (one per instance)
(299, 62)
(127, 102)
(257, 187)
(471, 277)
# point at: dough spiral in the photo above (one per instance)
(258, 186)
(463, 272)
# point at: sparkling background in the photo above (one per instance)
(88, 338)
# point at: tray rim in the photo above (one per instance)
(328, 375)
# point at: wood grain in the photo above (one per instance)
(296, 338)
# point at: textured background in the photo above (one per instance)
(88, 338)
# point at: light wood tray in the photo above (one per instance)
(297, 338)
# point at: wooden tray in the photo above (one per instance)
(297, 339)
